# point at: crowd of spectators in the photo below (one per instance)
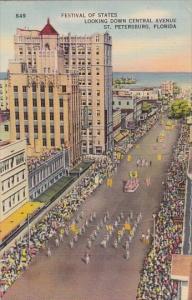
(15, 260)
(155, 282)
(35, 161)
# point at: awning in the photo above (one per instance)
(17, 218)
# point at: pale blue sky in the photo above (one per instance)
(133, 50)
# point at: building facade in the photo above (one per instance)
(13, 177)
(44, 96)
(167, 88)
(45, 174)
(130, 106)
(116, 122)
(4, 125)
(4, 94)
(44, 57)
(91, 56)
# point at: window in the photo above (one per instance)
(43, 128)
(35, 128)
(52, 142)
(64, 89)
(127, 102)
(51, 102)
(26, 128)
(98, 132)
(62, 141)
(42, 88)
(16, 102)
(61, 116)
(42, 102)
(24, 102)
(98, 102)
(6, 127)
(52, 129)
(51, 116)
(35, 115)
(119, 102)
(34, 89)
(24, 89)
(15, 89)
(50, 89)
(62, 129)
(25, 115)
(17, 128)
(34, 102)
(98, 113)
(61, 102)
(17, 115)
(44, 142)
(43, 115)
(98, 93)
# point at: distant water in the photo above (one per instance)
(150, 79)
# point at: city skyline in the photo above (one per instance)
(165, 50)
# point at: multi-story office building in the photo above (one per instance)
(13, 177)
(44, 95)
(42, 77)
(91, 56)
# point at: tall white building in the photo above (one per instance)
(13, 177)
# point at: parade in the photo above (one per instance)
(55, 225)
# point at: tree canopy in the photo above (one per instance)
(180, 108)
(146, 107)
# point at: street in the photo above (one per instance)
(108, 276)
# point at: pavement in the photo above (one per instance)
(108, 276)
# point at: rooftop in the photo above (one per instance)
(181, 269)
(48, 29)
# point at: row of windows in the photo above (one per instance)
(11, 181)
(12, 162)
(13, 200)
(25, 102)
(84, 143)
(36, 129)
(35, 116)
(84, 132)
(120, 102)
(52, 142)
(42, 88)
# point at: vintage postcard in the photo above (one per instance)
(95, 150)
